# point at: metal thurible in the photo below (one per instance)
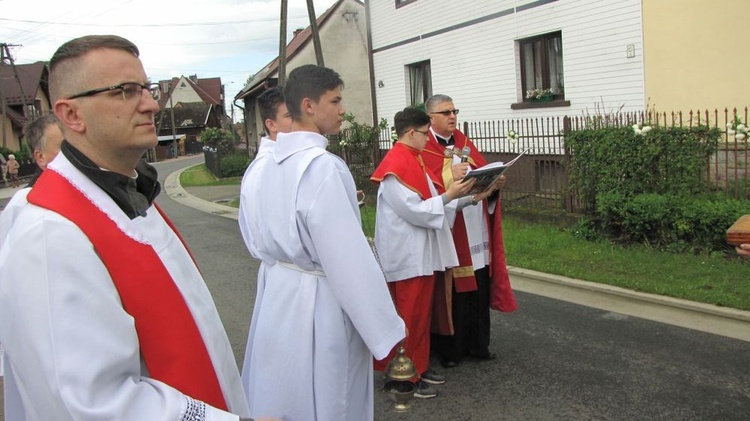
(399, 387)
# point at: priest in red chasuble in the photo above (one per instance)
(480, 281)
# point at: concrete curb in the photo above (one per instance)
(174, 190)
(708, 318)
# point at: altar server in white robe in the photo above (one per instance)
(413, 237)
(103, 312)
(322, 310)
(276, 119)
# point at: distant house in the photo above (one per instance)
(595, 57)
(343, 39)
(195, 104)
(24, 92)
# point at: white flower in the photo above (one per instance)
(740, 136)
(742, 128)
(730, 132)
(646, 129)
(512, 135)
(729, 125)
(637, 129)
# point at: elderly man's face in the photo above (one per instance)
(442, 120)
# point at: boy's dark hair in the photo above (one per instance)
(409, 118)
(308, 81)
(268, 104)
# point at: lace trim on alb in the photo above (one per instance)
(194, 410)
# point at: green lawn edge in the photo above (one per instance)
(716, 279)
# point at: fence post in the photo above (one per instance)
(569, 194)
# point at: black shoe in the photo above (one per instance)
(432, 377)
(424, 391)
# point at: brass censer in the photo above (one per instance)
(399, 387)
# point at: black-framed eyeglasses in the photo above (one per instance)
(420, 131)
(129, 90)
(446, 112)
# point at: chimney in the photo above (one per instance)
(297, 31)
(194, 78)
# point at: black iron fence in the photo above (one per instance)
(540, 178)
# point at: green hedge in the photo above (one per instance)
(679, 223)
(663, 161)
(234, 165)
(648, 188)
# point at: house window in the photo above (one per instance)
(420, 82)
(542, 64)
(400, 3)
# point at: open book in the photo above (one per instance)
(487, 174)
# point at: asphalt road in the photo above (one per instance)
(557, 360)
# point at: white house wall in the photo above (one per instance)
(477, 65)
(184, 94)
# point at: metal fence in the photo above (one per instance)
(539, 179)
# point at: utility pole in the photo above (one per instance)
(282, 44)
(315, 34)
(174, 129)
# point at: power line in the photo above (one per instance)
(159, 25)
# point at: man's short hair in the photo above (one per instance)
(308, 81)
(34, 131)
(409, 118)
(65, 76)
(268, 104)
(436, 100)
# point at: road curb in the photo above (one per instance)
(708, 318)
(175, 191)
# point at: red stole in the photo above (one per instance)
(501, 294)
(170, 342)
(437, 160)
(405, 163)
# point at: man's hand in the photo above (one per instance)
(743, 250)
(498, 184)
(460, 188)
(460, 170)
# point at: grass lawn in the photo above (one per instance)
(713, 279)
(199, 175)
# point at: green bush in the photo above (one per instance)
(616, 159)
(677, 223)
(220, 140)
(234, 165)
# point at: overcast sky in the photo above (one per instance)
(230, 39)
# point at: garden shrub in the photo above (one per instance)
(616, 159)
(678, 223)
(234, 165)
(645, 186)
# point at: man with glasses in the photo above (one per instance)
(480, 281)
(103, 312)
(413, 237)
